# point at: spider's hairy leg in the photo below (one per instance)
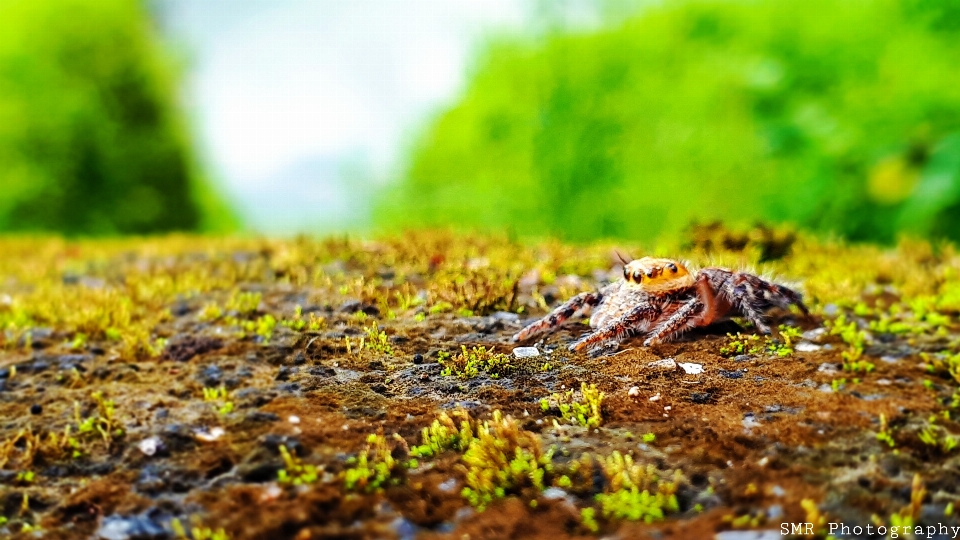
(610, 336)
(689, 315)
(571, 308)
(785, 297)
(749, 298)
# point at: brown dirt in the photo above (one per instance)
(750, 435)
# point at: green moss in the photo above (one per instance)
(294, 471)
(220, 399)
(374, 468)
(377, 340)
(589, 520)
(937, 436)
(503, 459)
(585, 411)
(444, 434)
(634, 491)
(104, 423)
(885, 435)
(471, 362)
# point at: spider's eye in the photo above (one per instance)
(637, 276)
(649, 273)
(626, 274)
(672, 267)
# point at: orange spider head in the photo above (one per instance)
(657, 276)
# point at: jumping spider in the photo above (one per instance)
(660, 298)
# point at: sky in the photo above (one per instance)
(301, 107)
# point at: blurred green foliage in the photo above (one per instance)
(835, 115)
(90, 140)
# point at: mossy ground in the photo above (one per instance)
(257, 386)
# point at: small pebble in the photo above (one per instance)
(209, 436)
(806, 346)
(526, 352)
(634, 392)
(554, 493)
(149, 445)
(36, 408)
(418, 358)
(667, 364)
(448, 486)
(272, 492)
(691, 368)
(656, 397)
(293, 419)
(815, 334)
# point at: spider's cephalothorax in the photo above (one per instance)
(660, 298)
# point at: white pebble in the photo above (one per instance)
(526, 352)
(667, 364)
(691, 368)
(806, 346)
(149, 445)
(293, 419)
(209, 436)
(656, 397)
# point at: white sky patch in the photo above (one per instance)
(293, 100)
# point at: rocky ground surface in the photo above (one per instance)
(200, 388)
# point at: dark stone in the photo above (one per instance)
(186, 348)
(37, 366)
(283, 374)
(71, 361)
(260, 416)
(36, 408)
(273, 441)
(322, 371)
(737, 374)
(180, 309)
(890, 466)
(102, 469)
(299, 359)
(701, 398)
(376, 365)
(380, 389)
(138, 527)
(177, 437)
(152, 480)
(291, 388)
(418, 358)
(211, 375)
(258, 472)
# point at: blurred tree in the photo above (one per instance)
(90, 140)
(837, 116)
